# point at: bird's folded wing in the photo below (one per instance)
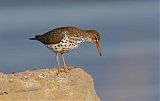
(51, 37)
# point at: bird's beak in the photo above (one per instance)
(98, 48)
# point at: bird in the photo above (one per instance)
(66, 39)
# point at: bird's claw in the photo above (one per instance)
(65, 69)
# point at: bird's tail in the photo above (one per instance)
(35, 38)
(32, 38)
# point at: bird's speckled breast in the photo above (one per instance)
(66, 44)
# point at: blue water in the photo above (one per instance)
(129, 41)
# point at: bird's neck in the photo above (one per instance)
(88, 36)
(88, 39)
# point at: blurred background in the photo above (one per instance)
(129, 41)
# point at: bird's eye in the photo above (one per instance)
(96, 39)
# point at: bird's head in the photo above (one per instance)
(94, 39)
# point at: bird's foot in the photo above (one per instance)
(59, 71)
(64, 69)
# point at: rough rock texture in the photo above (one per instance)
(46, 85)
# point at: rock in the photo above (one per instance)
(46, 85)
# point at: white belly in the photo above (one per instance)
(65, 45)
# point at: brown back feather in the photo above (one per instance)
(51, 37)
(56, 35)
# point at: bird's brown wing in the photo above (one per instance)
(51, 37)
(56, 35)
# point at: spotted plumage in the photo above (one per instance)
(65, 45)
(66, 39)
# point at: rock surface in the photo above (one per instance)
(46, 85)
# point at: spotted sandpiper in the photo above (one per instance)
(65, 39)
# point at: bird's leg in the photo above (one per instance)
(64, 64)
(57, 61)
